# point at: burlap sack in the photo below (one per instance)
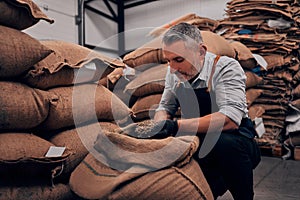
(284, 74)
(217, 44)
(21, 14)
(296, 103)
(187, 182)
(296, 78)
(141, 176)
(152, 53)
(276, 92)
(204, 23)
(296, 92)
(276, 60)
(148, 82)
(294, 139)
(23, 107)
(69, 64)
(84, 103)
(23, 155)
(267, 100)
(252, 95)
(252, 79)
(147, 54)
(243, 55)
(79, 140)
(280, 117)
(259, 38)
(256, 111)
(19, 52)
(144, 107)
(274, 123)
(158, 31)
(36, 192)
(294, 67)
(275, 108)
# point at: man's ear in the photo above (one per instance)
(203, 49)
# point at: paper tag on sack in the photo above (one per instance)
(259, 126)
(55, 151)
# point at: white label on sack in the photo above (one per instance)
(259, 126)
(55, 151)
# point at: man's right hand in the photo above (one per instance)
(159, 130)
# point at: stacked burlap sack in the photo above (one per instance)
(40, 82)
(270, 29)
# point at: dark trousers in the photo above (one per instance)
(229, 165)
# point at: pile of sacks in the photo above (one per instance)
(151, 68)
(62, 96)
(39, 82)
(270, 29)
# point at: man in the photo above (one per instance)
(210, 92)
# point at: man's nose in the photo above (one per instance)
(173, 68)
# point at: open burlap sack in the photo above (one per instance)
(24, 155)
(148, 82)
(84, 103)
(23, 107)
(152, 52)
(69, 63)
(130, 168)
(21, 14)
(19, 51)
(79, 140)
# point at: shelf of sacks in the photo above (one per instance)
(51, 96)
(269, 29)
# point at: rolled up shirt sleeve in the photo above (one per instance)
(229, 84)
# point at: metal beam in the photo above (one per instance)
(110, 9)
(100, 12)
(137, 3)
(118, 17)
(121, 27)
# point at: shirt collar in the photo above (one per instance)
(205, 71)
(203, 75)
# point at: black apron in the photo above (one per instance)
(202, 101)
(197, 102)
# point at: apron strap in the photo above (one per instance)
(212, 72)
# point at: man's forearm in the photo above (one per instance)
(209, 123)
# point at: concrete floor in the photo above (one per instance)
(275, 179)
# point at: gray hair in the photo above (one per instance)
(188, 33)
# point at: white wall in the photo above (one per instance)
(103, 32)
(158, 13)
(63, 13)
